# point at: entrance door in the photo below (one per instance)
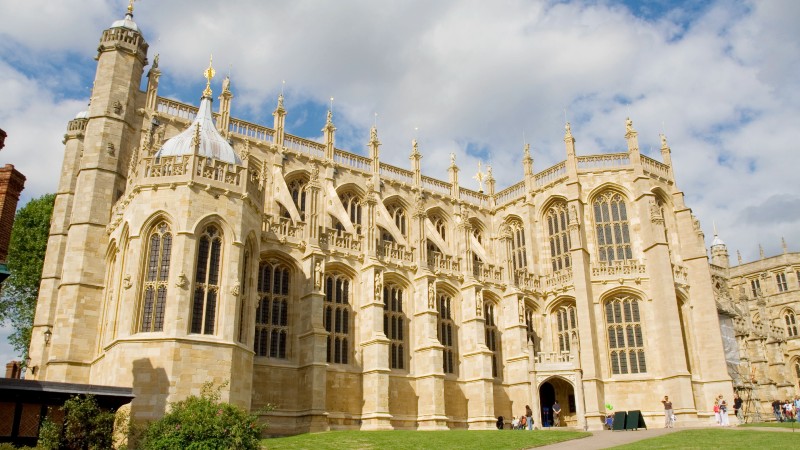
(547, 396)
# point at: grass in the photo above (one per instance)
(718, 439)
(773, 425)
(391, 440)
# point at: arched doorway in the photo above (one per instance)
(557, 388)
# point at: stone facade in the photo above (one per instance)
(350, 293)
(759, 303)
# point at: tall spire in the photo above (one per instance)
(783, 244)
(209, 74)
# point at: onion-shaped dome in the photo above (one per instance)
(211, 143)
(717, 241)
(127, 22)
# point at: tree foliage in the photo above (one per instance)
(204, 423)
(25, 259)
(86, 427)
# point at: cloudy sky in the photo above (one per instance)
(476, 78)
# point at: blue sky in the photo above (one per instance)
(719, 78)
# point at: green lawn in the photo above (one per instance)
(389, 440)
(719, 439)
(774, 425)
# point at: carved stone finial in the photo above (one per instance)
(567, 131)
(664, 145)
(373, 135)
(415, 149)
(783, 244)
(452, 159)
(628, 125)
(527, 151)
(761, 251)
(479, 176)
(155, 62)
(226, 84)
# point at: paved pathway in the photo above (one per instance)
(607, 439)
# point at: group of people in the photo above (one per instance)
(721, 412)
(786, 411)
(525, 422)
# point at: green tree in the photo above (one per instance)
(25, 259)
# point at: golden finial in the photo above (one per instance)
(209, 74)
(130, 7)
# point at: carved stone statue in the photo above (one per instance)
(479, 303)
(226, 84)
(373, 134)
(628, 125)
(452, 159)
(318, 275)
(378, 286)
(573, 214)
(431, 295)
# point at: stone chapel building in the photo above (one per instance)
(188, 246)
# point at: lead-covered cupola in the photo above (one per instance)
(201, 137)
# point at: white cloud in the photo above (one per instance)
(723, 85)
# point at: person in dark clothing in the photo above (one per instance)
(499, 422)
(737, 407)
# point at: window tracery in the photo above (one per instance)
(394, 324)
(519, 258)
(791, 323)
(491, 334)
(352, 204)
(446, 332)
(272, 312)
(336, 317)
(557, 221)
(155, 280)
(204, 307)
(625, 337)
(566, 326)
(611, 225)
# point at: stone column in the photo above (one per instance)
(375, 413)
(312, 352)
(476, 360)
(428, 369)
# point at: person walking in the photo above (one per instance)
(668, 413)
(716, 411)
(529, 416)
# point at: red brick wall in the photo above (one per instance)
(11, 184)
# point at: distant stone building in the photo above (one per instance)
(759, 303)
(188, 246)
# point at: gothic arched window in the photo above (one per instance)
(297, 188)
(492, 337)
(398, 213)
(243, 304)
(625, 337)
(272, 312)
(611, 224)
(518, 257)
(352, 204)
(336, 317)
(530, 331)
(791, 323)
(206, 281)
(394, 325)
(155, 279)
(441, 226)
(557, 220)
(566, 326)
(446, 332)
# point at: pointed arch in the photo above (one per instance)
(207, 277)
(155, 275)
(446, 329)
